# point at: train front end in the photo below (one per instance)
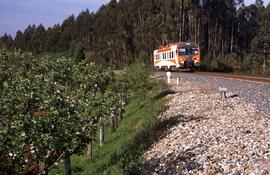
(188, 55)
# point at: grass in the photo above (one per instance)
(123, 149)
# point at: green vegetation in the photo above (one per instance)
(48, 109)
(58, 108)
(124, 147)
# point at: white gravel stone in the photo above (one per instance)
(212, 136)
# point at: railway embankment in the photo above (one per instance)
(213, 135)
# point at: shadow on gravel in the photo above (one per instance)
(186, 119)
(173, 164)
(234, 96)
(163, 94)
(132, 160)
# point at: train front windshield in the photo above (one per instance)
(188, 51)
(195, 51)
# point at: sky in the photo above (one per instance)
(18, 14)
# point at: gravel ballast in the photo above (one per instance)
(252, 92)
(213, 135)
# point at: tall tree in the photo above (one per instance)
(6, 41)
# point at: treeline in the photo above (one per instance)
(231, 35)
(52, 108)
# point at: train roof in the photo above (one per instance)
(187, 44)
(178, 44)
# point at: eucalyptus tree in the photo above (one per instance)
(6, 42)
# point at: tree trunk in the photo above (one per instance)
(112, 119)
(125, 53)
(183, 20)
(67, 164)
(101, 131)
(116, 118)
(42, 168)
(195, 30)
(215, 39)
(198, 30)
(209, 38)
(122, 109)
(232, 36)
(180, 25)
(90, 151)
(189, 28)
(120, 113)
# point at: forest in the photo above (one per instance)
(232, 36)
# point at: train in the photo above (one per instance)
(179, 55)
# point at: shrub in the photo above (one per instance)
(47, 109)
(144, 58)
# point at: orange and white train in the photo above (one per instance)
(177, 55)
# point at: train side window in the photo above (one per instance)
(157, 56)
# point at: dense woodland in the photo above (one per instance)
(232, 36)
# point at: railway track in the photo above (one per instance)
(260, 79)
(252, 78)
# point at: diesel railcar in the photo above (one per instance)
(178, 55)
